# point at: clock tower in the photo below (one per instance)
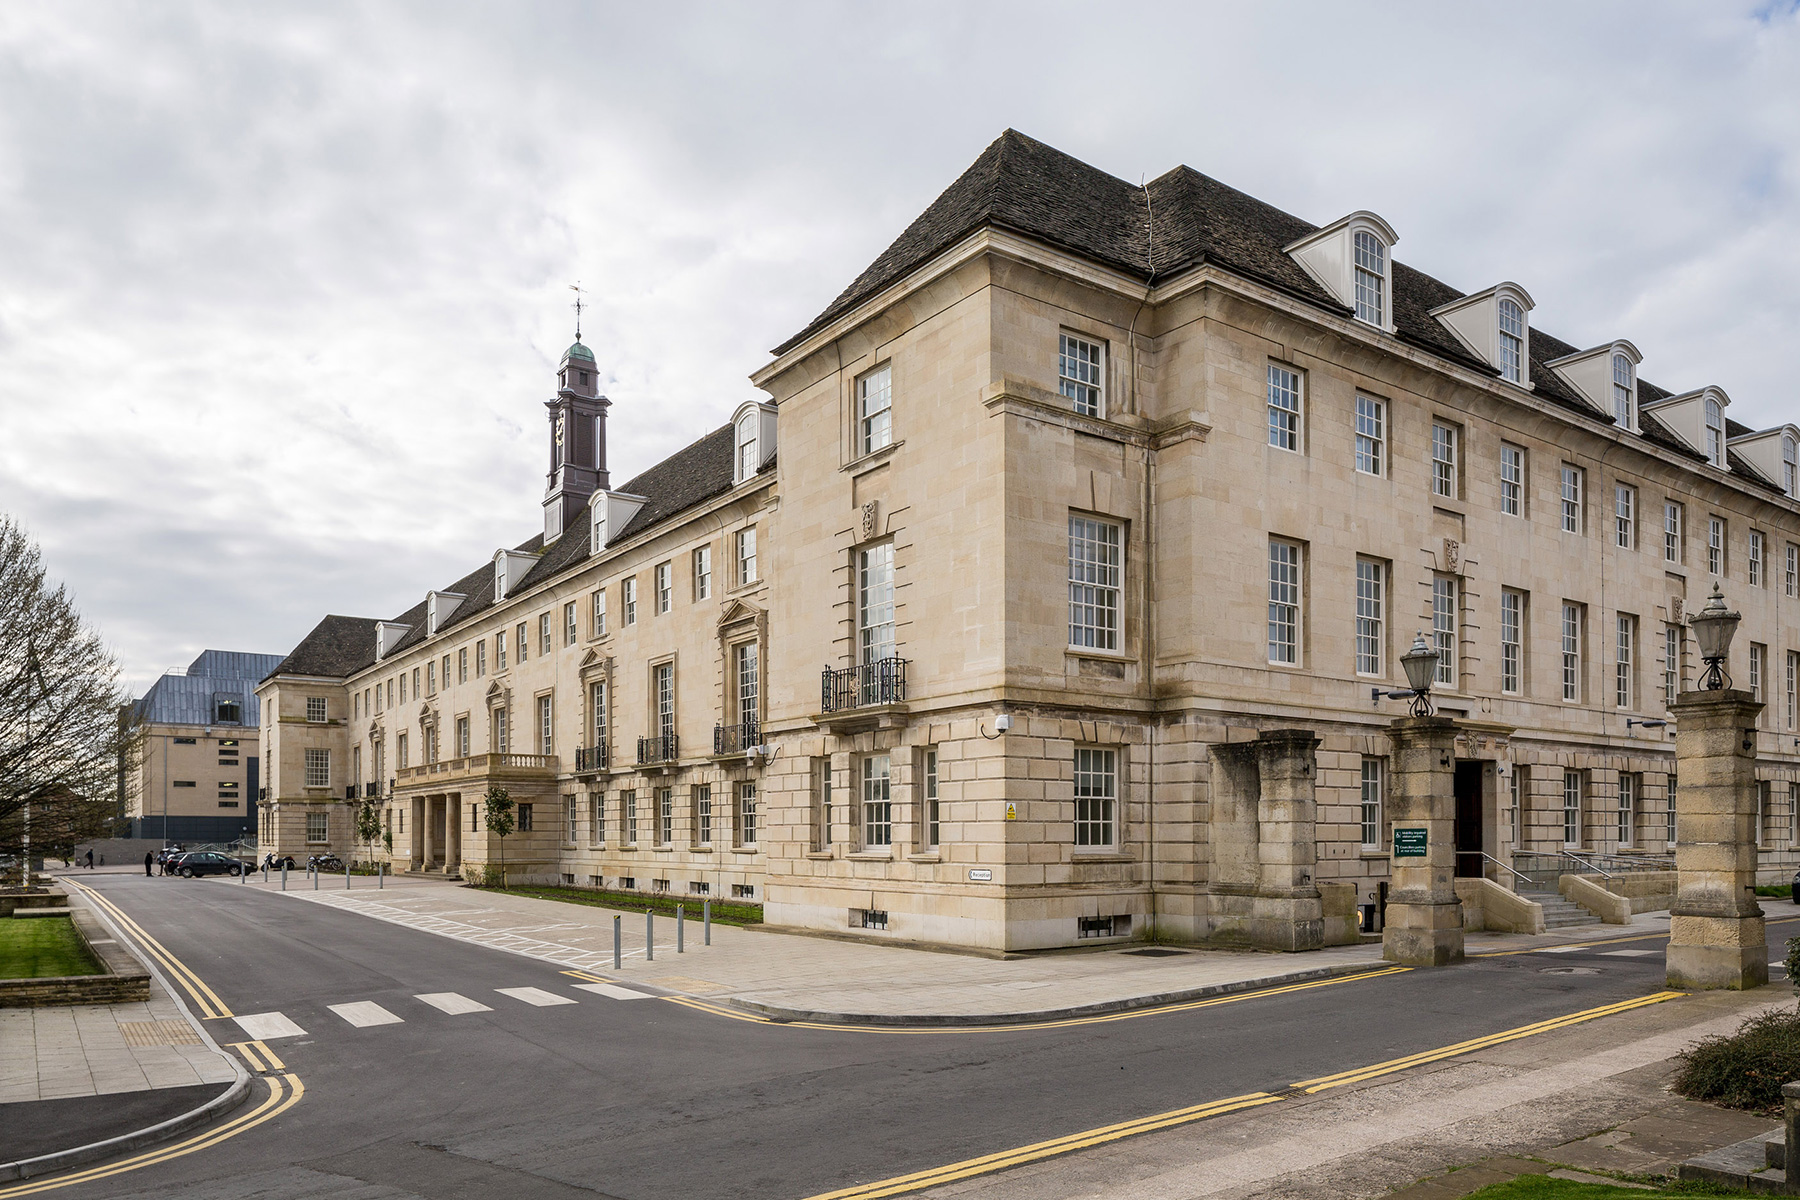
(577, 441)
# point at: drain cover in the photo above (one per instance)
(1156, 952)
(1570, 971)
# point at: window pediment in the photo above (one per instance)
(739, 612)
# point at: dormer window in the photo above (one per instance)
(597, 531)
(1715, 433)
(1790, 468)
(1371, 278)
(1624, 392)
(746, 446)
(1512, 342)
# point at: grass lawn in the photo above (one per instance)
(43, 947)
(1542, 1187)
(724, 912)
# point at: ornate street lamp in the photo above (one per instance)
(1420, 664)
(1713, 630)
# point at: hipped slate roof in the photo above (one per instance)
(342, 646)
(1176, 223)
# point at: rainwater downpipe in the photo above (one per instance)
(1148, 670)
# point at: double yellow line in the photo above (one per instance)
(205, 999)
(718, 1010)
(938, 1176)
(284, 1092)
(259, 1056)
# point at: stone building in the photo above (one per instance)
(190, 766)
(1067, 610)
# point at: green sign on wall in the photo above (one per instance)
(1409, 843)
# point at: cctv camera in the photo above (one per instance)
(1002, 723)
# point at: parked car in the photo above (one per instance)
(206, 862)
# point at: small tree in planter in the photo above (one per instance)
(368, 826)
(499, 818)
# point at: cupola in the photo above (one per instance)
(577, 416)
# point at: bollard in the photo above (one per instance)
(244, 874)
(706, 920)
(284, 874)
(618, 943)
(649, 936)
(315, 874)
(346, 874)
(680, 929)
(265, 870)
(381, 874)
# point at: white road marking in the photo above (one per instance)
(266, 1027)
(1630, 953)
(537, 996)
(452, 1003)
(363, 1013)
(1563, 949)
(497, 939)
(613, 990)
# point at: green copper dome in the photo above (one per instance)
(579, 351)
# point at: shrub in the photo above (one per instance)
(1745, 1069)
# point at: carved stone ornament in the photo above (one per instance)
(1452, 555)
(1677, 609)
(870, 519)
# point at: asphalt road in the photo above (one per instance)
(648, 1100)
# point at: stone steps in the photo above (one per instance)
(1560, 913)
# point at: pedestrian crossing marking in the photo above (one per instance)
(613, 990)
(452, 1003)
(537, 996)
(1628, 953)
(363, 1013)
(263, 1027)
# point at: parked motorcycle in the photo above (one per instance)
(272, 862)
(325, 862)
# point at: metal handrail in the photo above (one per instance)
(1498, 863)
(1584, 862)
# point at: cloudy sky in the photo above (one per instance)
(282, 286)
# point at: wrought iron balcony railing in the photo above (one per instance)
(350, 791)
(736, 739)
(372, 789)
(662, 748)
(882, 681)
(592, 758)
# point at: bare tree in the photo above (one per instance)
(59, 694)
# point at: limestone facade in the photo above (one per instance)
(1025, 477)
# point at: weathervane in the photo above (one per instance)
(576, 288)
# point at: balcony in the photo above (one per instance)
(661, 748)
(590, 759)
(372, 789)
(477, 766)
(730, 740)
(350, 791)
(865, 696)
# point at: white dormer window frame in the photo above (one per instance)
(1624, 387)
(1790, 466)
(1371, 278)
(1713, 421)
(752, 440)
(1509, 340)
(1353, 259)
(1593, 374)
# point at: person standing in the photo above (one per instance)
(149, 861)
(90, 860)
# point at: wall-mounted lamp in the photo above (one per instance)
(1420, 664)
(1002, 723)
(1652, 723)
(1750, 738)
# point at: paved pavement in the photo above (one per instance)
(394, 1063)
(74, 1075)
(825, 978)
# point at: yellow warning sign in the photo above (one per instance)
(1012, 812)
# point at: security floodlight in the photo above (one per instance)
(1714, 628)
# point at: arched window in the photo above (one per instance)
(1512, 342)
(1715, 433)
(1790, 467)
(1624, 393)
(746, 446)
(1371, 278)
